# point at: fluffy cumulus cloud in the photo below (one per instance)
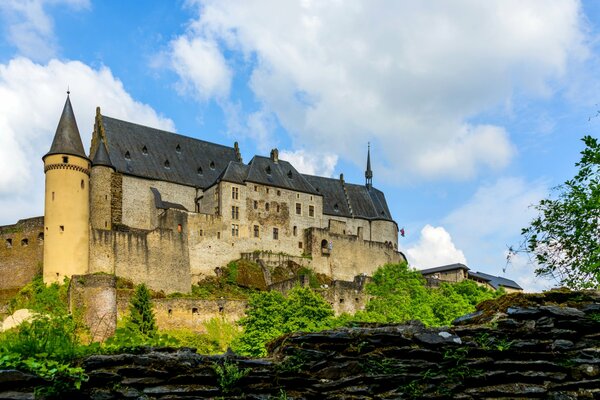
(412, 83)
(321, 164)
(29, 27)
(31, 100)
(434, 248)
(491, 221)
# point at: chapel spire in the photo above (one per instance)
(67, 139)
(368, 172)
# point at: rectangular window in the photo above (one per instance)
(234, 193)
(267, 206)
(218, 235)
(201, 232)
(295, 230)
(255, 204)
(255, 188)
(311, 211)
(275, 233)
(256, 231)
(235, 230)
(267, 190)
(279, 193)
(298, 208)
(235, 212)
(299, 245)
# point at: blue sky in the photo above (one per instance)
(474, 110)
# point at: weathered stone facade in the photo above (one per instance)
(167, 210)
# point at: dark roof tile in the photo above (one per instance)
(67, 139)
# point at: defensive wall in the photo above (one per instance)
(524, 346)
(21, 254)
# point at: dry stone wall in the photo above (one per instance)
(541, 346)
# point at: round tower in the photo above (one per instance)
(100, 194)
(66, 211)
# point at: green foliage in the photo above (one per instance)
(228, 374)
(43, 336)
(141, 317)
(271, 315)
(399, 295)
(38, 297)
(61, 376)
(565, 236)
(232, 272)
(218, 337)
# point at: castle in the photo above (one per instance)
(167, 210)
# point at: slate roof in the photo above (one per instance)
(67, 139)
(280, 174)
(496, 281)
(444, 268)
(156, 154)
(101, 157)
(235, 172)
(361, 201)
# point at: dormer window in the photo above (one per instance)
(127, 155)
(167, 164)
(268, 170)
(290, 174)
(178, 149)
(212, 165)
(200, 172)
(145, 150)
(336, 208)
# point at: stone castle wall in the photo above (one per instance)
(349, 256)
(21, 253)
(94, 296)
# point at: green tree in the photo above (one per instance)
(270, 315)
(565, 236)
(141, 317)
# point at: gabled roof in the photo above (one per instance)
(156, 154)
(67, 139)
(332, 190)
(280, 174)
(235, 172)
(496, 281)
(444, 268)
(350, 200)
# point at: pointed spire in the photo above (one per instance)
(368, 172)
(67, 139)
(102, 157)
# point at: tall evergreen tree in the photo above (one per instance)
(141, 316)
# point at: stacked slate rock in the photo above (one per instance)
(520, 346)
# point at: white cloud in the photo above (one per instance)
(202, 67)
(411, 82)
(29, 27)
(321, 164)
(491, 220)
(434, 248)
(31, 100)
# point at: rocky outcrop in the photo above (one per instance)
(518, 347)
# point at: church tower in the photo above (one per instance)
(66, 211)
(368, 172)
(100, 194)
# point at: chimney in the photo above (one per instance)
(275, 156)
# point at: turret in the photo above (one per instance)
(100, 184)
(368, 172)
(66, 211)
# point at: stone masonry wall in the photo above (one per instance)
(349, 255)
(528, 346)
(21, 253)
(94, 296)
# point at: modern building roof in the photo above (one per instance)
(67, 139)
(156, 154)
(444, 268)
(496, 281)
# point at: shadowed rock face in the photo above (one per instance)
(543, 346)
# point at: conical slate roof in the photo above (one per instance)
(101, 157)
(67, 139)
